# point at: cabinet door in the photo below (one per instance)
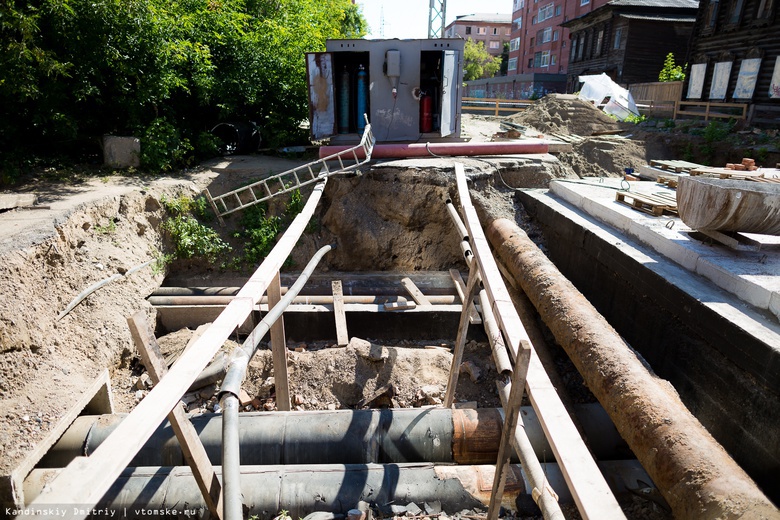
(322, 106)
(450, 93)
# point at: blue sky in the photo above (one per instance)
(409, 18)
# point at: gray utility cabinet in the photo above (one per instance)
(426, 74)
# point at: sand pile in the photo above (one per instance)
(565, 114)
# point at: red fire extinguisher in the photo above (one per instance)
(426, 113)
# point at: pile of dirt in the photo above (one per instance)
(565, 114)
(605, 156)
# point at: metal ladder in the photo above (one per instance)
(294, 179)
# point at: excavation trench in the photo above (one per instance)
(358, 404)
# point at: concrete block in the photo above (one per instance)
(121, 152)
(669, 243)
(567, 192)
(741, 287)
(774, 304)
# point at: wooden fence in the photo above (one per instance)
(495, 105)
(658, 98)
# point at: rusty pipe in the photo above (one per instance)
(400, 151)
(693, 472)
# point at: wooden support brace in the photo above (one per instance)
(279, 349)
(342, 336)
(460, 342)
(191, 447)
(460, 287)
(414, 292)
(512, 414)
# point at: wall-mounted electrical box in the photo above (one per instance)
(410, 89)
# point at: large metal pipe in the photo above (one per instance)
(400, 151)
(694, 473)
(462, 436)
(231, 387)
(305, 300)
(301, 490)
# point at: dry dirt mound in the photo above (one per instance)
(606, 156)
(565, 114)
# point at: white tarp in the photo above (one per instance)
(596, 88)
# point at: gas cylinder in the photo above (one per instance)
(426, 113)
(344, 102)
(362, 97)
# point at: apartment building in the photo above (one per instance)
(493, 29)
(538, 44)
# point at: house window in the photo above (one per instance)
(764, 10)
(508, 31)
(495, 31)
(618, 38)
(530, 63)
(519, 4)
(552, 59)
(584, 2)
(581, 46)
(599, 40)
(545, 13)
(545, 59)
(557, 10)
(736, 12)
(573, 55)
(711, 15)
(514, 44)
(494, 44)
(555, 36)
(532, 42)
(518, 23)
(533, 20)
(481, 30)
(468, 29)
(537, 59)
(512, 65)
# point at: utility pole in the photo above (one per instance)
(436, 17)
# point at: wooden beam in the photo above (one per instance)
(279, 349)
(460, 342)
(511, 414)
(590, 491)
(414, 292)
(342, 336)
(191, 447)
(460, 286)
(86, 479)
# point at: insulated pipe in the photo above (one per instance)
(231, 387)
(305, 300)
(335, 488)
(463, 233)
(693, 472)
(400, 151)
(462, 436)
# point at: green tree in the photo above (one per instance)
(477, 61)
(670, 71)
(505, 60)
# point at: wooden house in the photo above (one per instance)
(734, 57)
(629, 39)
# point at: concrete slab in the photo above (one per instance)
(753, 276)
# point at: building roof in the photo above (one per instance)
(661, 17)
(484, 17)
(673, 4)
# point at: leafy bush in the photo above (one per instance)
(190, 238)
(163, 148)
(259, 233)
(670, 71)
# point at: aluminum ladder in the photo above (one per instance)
(294, 179)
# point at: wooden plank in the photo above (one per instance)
(460, 286)
(590, 491)
(416, 294)
(460, 341)
(191, 447)
(342, 336)
(511, 417)
(279, 349)
(399, 305)
(86, 479)
(655, 206)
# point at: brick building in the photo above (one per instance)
(492, 29)
(538, 44)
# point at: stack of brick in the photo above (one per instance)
(746, 165)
